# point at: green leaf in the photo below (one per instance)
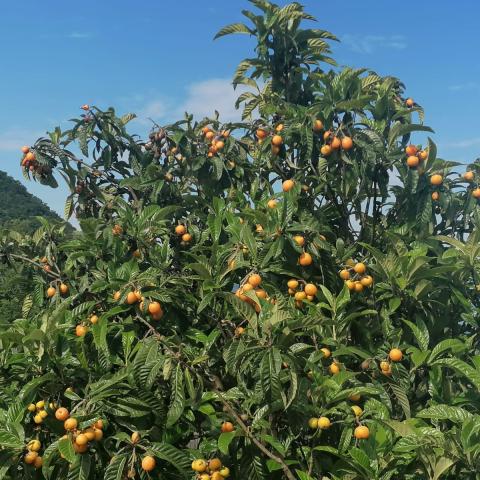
(116, 467)
(224, 441)
(65, 447)
(233, 28)
(178, 398)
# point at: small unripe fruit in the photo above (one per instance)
(225, 472)
(31, 407)
(40, 404)
(358, 412)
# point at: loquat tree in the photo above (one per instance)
(293, 295)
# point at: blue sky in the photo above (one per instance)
(158, 59)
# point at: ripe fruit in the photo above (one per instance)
(366, 281)
(40, 404)
(326, 352)
(34, 446)
(98, 434)
(261, 294)
(413, 161)
(476, 193)
(305, 259)
(272, 203)
(327, 134)
(186, 237)
(336, 143)
(216, 476)
(225, 472)
(347, 143)
(180, 229)
(313, 423)
(468, 176)
(310, 289)
(80, 330)
(435, 196)
(411, 150)
(80, 448)
(214, 464)
(219, 145)
(299, 240)
(148, 463)
(361, 432)
(30, 157)
(25, 149)
(436, 179)
(135, 437)
(423, 155)
(131, 298)
(334, 368)
(360, 268)
(51, 292)
(62, 414)
(395, 355)
(90, 434)
(324, 423)
(409, 102)
(38, 462)
(94, 319)
(293, 284)
(344, 274)
(31, 407)
(38, 419)
(116, 296)
(30, 457)
(275, 150)
(209, 135)
(277, 140)
(239, 331)
(63, 288)
(299, 296)
(317, 126)
(350, 284)
(287, 185)
(326, 150)
(199, 465)
(227, 427)
(154, 307)
(357, 410)
(260, 133)
(70, 424)
(98, 424)
(255, 280)
(85, 107)
(43, 414)
(81, 439)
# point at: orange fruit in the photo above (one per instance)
(180, 229)
(361, 432)
(358, 287)
(148, 463)
(317, 126)
(275, 150)
(324, 423)
(63, 288)
(409, 102)
(51, 292)
(81, 439)
(255, 280)
(436, 179)
(186, 237)
(299, 240)
(355, 397)
(199, 465)
(62, 414)
(135, 437)
(260, 133)
(347, 143)
(116, 296)
(334, 368)
(366, 281)
(205, 130)
(25, 149)
(34, 446)
(70, 424)
(326, 352)
(468, 176)
(360, 268)
(30, 457)
(261, 294)
(413, 161)
(94, 319)
(344, 274)
(287, 185)
(423, 154)
(154, 307)
(131, 298)
(305, 259)
(476, 193)
(98, 424)
(326, 150)
(214, 464)
(209, 135)
(327, 134)
(80, 330)
(350, 285)
(239, 331)
(435, 196)
(227, 427)
(277, 140)
(30, 157)
(299, 296)
(293, 284)
(85, 107)
(395, 355)
(279, 127)
(38, 462)
(310, 289)
(98, 434)
(411, 150)
(80, 448)
(336, 143)
(313, 423)
(272, 203)
(219, 145)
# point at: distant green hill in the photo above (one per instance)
(18, 206)
(18, 209)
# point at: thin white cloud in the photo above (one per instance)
(80, 35)
(464, 86)
(12, 140)
(368, 44)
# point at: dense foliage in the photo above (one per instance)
(295, 294)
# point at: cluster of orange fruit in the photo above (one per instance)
(332, 142)
(39, 410)
(154, 308)
(210, 470)
(51, 291)
(469, 176)
(276, 140)
(216, 139)
(415, 156)
(181, 231)
(361, 432)
(308, 291)
(29, 159)
(253, 282)
(354, 276)
(395, 355)
(32, 457)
